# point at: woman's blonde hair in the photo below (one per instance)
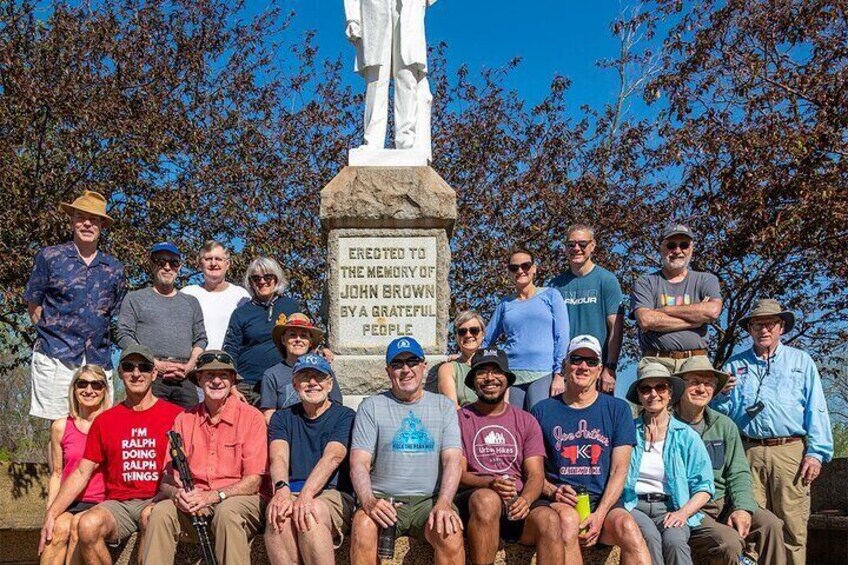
(97, 371)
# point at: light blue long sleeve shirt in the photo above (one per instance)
(688, 469)
(535, 331)
(791, 392)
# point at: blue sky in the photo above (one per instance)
(555, 37)
(563, 37)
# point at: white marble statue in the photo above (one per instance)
(390, 44)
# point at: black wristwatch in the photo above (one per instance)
(279, 484)
(611, 366)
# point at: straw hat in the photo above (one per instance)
(770, 307)
(296, 320)
(91, 203)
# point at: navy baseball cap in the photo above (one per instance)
(314, 362)
(165, 246)
(403, 345)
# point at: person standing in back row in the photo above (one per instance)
(674, 306)
(217, 296)
(71, 295)
(534, 324)
(167, 321)
(593, 297)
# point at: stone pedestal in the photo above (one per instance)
(387, 231)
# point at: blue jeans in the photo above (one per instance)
(526, 395)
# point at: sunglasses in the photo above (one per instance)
(660, 388)
(143, 366)
(673, 245)
(525, 266)
(96, 386)
(256, 279)
(581, 244)
(475, 331)
(205, 358)
(162, 261)
(590, 361)
(412, 362)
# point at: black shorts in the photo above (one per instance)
(511, 530)
(80, 506)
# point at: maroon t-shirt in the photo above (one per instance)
(498, 445)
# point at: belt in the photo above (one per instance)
(773, 441)
(686, 354)
(653, 497)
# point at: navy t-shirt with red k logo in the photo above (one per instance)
(579, 442)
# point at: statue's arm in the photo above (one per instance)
(353, 10)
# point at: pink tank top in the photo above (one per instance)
(73, 446)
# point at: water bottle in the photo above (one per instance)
(583, 507)
(507, 504)
(386, 539)
(749, 556)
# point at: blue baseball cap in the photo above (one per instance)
(166, 246)
(403, 345)
(314, 362)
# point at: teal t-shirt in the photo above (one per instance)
(589, 300)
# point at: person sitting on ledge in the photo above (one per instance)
(128, 443)
(503, 469)
(312, 507)
(406, 446)
(87, 398)
(227, 452)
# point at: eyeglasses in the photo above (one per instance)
(525, 266)
(213, 259)
(143, 366)
(162, 261)
(475, 331)
(412, 362)
(757, 326)
(581, 244)
(268, 277)
(674, 245)
(205, 358)
(590, 361)
(660, 388)
(96, 386)
(489, 372)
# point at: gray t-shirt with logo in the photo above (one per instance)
(654, 291)
(405, 441)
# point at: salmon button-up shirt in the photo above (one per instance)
(222, 453)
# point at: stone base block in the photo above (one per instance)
(360, 376)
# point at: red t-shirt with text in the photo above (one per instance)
(130, 447)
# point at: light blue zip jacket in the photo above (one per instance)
(687, 467)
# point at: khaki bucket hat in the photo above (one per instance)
(700, 364)
(770, 307)
(213, 360)
(656, 371)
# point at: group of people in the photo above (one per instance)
(524, 441)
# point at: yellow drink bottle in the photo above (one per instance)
(583, 507)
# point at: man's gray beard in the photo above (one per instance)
(667, 263)
(497, 400)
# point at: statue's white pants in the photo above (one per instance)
(377, 78)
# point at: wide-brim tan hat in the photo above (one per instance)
(213, 360)
(770, 307)
(296, 320)
(656, 371)
(700, 364)
(90, 202)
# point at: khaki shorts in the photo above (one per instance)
(127, 514)
(51, 379)
(341, 508)
(413, 513)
